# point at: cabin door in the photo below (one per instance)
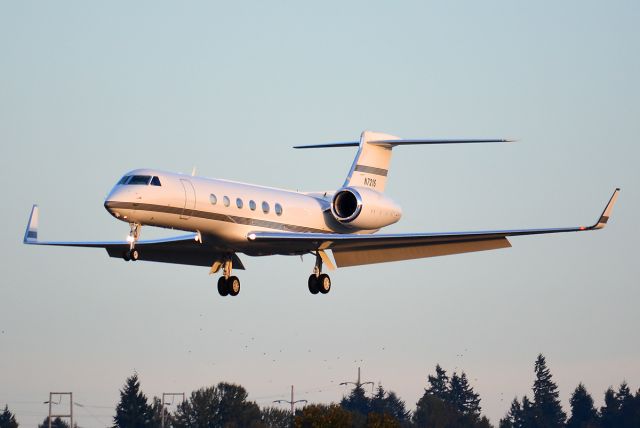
(189, 199)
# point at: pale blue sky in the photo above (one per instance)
(90, 90)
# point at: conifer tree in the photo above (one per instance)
(462, 397)
(583, 414)
(439, 384)
(513, 418)
(132, 411)
(7, 419)
(610, 412)
(548, 411)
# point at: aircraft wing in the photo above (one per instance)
(353, 250)
(185, 249)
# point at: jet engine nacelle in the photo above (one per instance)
(364, 209)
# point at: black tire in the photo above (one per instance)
(313, 284)
(233, 285)
(324, 283)
(223, 289)
(125, 255)
(134, 255)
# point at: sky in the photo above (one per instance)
(90, 90)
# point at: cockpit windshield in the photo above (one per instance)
(143, 180)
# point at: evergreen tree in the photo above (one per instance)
(629, 413)
(548, 411)
(357, 402)
(583, 414)
(514, 417)
(462, 397)
(388, 403)
(7, 419)
(132, 411)
(439, 384)
(610, 412)
(433, 412)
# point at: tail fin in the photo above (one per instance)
(371, 165)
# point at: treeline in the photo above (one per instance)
(447, 402)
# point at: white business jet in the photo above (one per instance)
(226, 218)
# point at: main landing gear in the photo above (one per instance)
(134, 234)
(228, 285)
(319, 282)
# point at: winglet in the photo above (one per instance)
(31, 234)
(602, 221)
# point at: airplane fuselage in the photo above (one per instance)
(223, 210)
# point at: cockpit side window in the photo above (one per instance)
(124, 179)
(139, 179)
(155, 181)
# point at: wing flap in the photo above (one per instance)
(354, 257)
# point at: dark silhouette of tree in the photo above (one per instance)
(514, 417)
(449, 403)
(224, 405)
(56, 423)
(546, 404)
(388, 403)
(439, 384)
(610, 412)
(321, 416)
(583, 414)
(629, 407)
(7, 419)
(382, 420)
(273, 417)
(358, 404)
(462, 396)
(432, 411)
(132, 411)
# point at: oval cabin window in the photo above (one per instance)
(239, 203)
(213, 199)
(252, 205)
(278, 209)
(265, 207)
(226, 201)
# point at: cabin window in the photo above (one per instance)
(252, 205)
(265, 207)
(155, 181)
(239, 203)
(124, 179)
(278, 208)
(226, 201)
(139, 179)
(213, 199)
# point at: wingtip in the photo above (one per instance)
(31, 233)
(606, 214)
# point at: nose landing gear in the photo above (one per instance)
(134, 234)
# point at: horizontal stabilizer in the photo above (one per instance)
(400, 142)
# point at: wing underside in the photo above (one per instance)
(189, 249)
(353, 250)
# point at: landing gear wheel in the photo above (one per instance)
(313, 284)
(125, 255)
(222, 286)
(324, 283)
(134, 255)
(233, 285)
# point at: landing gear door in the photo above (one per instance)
(189, 199)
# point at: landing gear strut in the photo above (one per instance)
(319, 282)
(134, 234)
(228, 285)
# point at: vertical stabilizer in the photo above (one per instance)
(371, 165)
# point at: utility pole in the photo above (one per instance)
(59, 395)
(358, 383)
(292, 402)
(164, 402)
